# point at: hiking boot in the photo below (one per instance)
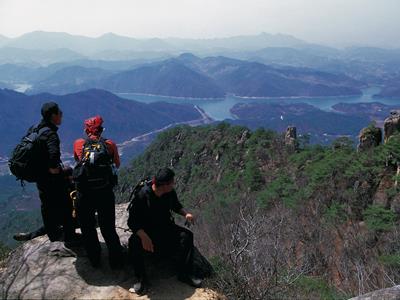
(22, 236)
(74, 242)
(140, 287)
(190, 280)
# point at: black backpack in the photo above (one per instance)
(25, 159)
(95, 168)
(135, 191)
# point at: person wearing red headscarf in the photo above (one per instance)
(98, 199)
(94, 129)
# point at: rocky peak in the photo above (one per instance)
(40, 269)
(392, 124)
(291, 137)
(369, 137)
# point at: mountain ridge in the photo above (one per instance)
(134, 118)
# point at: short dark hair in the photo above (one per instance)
(49, 109)
(164, 176)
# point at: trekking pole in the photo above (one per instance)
(73, 196)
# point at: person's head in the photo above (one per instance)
(93, 126)
(164, 180)
(51, 113)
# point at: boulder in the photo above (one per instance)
(392, 293)
(392, 124)
(369, 137)
(381, 197)
(291, 137)
(39, 269)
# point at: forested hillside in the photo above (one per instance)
(278, 221)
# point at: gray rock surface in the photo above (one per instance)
(392, 293)
(39, 269)
(369, 137)
(291, 137)
(392, 124)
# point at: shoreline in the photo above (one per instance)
(239, 97)
(165, 96)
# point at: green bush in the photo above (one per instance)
(317, 288)
(391, 260)
(335, 213)
(378, 218)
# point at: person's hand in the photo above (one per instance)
(147, 243)
(54, 171)
(189, 218)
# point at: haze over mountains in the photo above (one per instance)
(47, 64)
(190, 76)
(156, 66)
(87, 45)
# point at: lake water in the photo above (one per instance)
(219, 109)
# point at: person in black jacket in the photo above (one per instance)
(26, 236)
(56, 206)
(155, 231)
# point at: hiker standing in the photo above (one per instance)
(26, 236)
(56, 207)
(95, 179)
(155, 231)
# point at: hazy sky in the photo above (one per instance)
(333, 22)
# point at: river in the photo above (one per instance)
(219, 109)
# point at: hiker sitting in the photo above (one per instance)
(155, 231)
(95, 179)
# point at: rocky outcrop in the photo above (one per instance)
(392, 124)
(392, 293)
(381, 197)
(39, 269)
(369, 137)
(291, 137)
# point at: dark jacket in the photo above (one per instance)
(50, 146)
(152, 213)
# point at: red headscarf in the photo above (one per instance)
(93, 126)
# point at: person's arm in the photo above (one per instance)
(136, 222)
(188, 216)
(53, 148)
(114, 153)
(177, 207)
(147, 243)
(78, 147)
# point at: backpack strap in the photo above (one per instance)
(135, 192)
(89, 141)
(43, 130)
(104, 141)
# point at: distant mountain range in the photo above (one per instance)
(37, 57)
(110, 41)
(211, 77)
(390, 92)
(370, 65)
(391, 89)
(69, 80)
(124, 119)
(323, 127)
(263, 65)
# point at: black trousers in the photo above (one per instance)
(101, 201)
(56, 207)
(173, 241)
